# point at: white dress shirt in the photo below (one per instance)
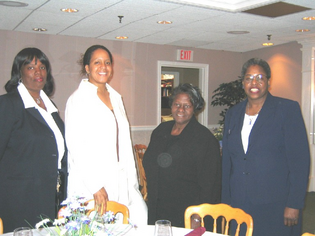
(29, 102)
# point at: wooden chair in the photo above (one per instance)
(308, 234)
(114, 207)
(217, 210)
(140, 150)
(1, 226)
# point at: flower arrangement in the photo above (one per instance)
(75, 221)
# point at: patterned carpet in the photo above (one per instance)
(309, 214)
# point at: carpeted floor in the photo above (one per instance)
(309, 214)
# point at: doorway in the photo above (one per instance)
(181, 72)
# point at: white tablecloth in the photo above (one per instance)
(146, 230)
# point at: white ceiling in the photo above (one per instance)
(204, 25)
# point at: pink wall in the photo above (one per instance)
(135, 69)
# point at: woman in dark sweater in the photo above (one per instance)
(182, 162)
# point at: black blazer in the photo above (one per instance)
(28, 164)
(276, 165)
(193, 176)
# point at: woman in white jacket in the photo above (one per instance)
(101, 161)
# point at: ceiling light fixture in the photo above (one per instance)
(164, 22)
(120, 17)
(39, 29)
(309, 18)
(238, 32)
(13, 4)
(69, 10)
(121, 37)
(302, 30)
(268, 43)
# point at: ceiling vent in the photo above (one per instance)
(276, 9)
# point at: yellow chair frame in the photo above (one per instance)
(217, 210)
(1, 226)
(112, 206)
(115, 207)
(139, 151)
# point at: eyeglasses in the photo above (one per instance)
(184, 106)
(259, 78)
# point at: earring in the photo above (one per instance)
(20, 81)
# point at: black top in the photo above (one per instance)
(181, 171)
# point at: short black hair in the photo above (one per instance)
(259, 62)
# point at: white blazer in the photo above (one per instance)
(91, 137)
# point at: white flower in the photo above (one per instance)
(65, 212)
(42, 223)
(59, 221)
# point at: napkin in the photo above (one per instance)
(197, 232)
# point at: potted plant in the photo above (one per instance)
(227, 94)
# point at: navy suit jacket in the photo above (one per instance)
(28, 163)
(276, 165)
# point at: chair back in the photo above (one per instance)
(1, 226)
(114, 207)
(216, 210)
(139, 151)
(308, 234)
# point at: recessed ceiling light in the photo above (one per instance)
(309, 18)
(302, 30)
(238, 32)
(267, 44)
(13, 4)
(39, 29)
(70, 10)
(164, 22)
(121, 37)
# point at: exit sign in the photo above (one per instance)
(184, 55)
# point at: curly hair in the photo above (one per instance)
(194, 94)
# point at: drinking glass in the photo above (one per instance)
(22, 231)
(163, 228)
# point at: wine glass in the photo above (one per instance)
(163, 228)
(22, 231)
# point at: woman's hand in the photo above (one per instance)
(291, 216)
(100, 201)
(195, 221)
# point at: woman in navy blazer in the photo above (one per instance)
(266, 156)
(32, 147)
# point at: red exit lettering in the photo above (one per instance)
(184, 55)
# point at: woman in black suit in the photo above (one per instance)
(182, 162)
(32, 147)
(266, 158)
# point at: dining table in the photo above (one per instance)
(142, 230)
